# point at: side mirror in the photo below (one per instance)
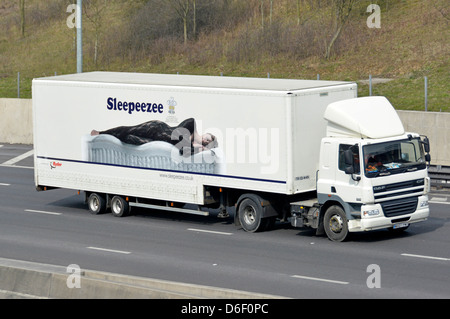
(426, 144)
(426, 147)
(348, 160)
(349, 170)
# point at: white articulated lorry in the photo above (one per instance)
(299, 150)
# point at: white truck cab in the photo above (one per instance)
(372, 174)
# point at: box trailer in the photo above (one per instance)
(272, 148)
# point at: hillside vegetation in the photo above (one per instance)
(253, 38)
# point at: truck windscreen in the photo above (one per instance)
(393, 157)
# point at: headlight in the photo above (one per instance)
(424, 203)
(371, 212)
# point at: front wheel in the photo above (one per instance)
(335, 223)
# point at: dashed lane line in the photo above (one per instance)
(426, 257)
(209, 231)
(110, 250)
(41, 212)
(321, 279)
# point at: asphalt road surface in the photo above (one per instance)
(55, 227)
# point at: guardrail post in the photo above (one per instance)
(18, 85)
(79, 36)
(426, 94)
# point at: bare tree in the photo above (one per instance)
(22, 17)
(271, 11)
(303, 11)
(181, 7)
(94, 13)
(262, 14)
(194, 18)
(342, 10)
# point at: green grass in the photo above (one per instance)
(408, 92)
(413, 42)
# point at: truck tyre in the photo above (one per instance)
(119, 206)
(96, 204)
(250, 215)
(335, 223)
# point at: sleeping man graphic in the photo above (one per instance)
(184, 136)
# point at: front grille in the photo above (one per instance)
(411, 188)
(400, 206)
(399, 186)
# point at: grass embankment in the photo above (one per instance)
(413, 42)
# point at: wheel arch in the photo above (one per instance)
(326, 202)
(268, 208)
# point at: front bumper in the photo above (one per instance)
(371, 220)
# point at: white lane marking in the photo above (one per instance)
(19, 158)
(426, 257)
(110, 250)
(438, 199)
(438, 202)
(321, 279)
(20, 294)
(41, 212)
(2, 184)
(210, 231)
(1, 146)
(16, 166)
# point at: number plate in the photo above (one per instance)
(400, 225)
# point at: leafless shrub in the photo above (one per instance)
(41, 12)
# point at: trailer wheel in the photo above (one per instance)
(250, 215)
(96, 204)
(119, 206)
(335, 223)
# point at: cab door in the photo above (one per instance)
(347, 185)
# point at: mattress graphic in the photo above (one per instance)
(107, 149)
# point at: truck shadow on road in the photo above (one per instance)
(414, 230)
(76, 202)
(429, 226)
(155, 214)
